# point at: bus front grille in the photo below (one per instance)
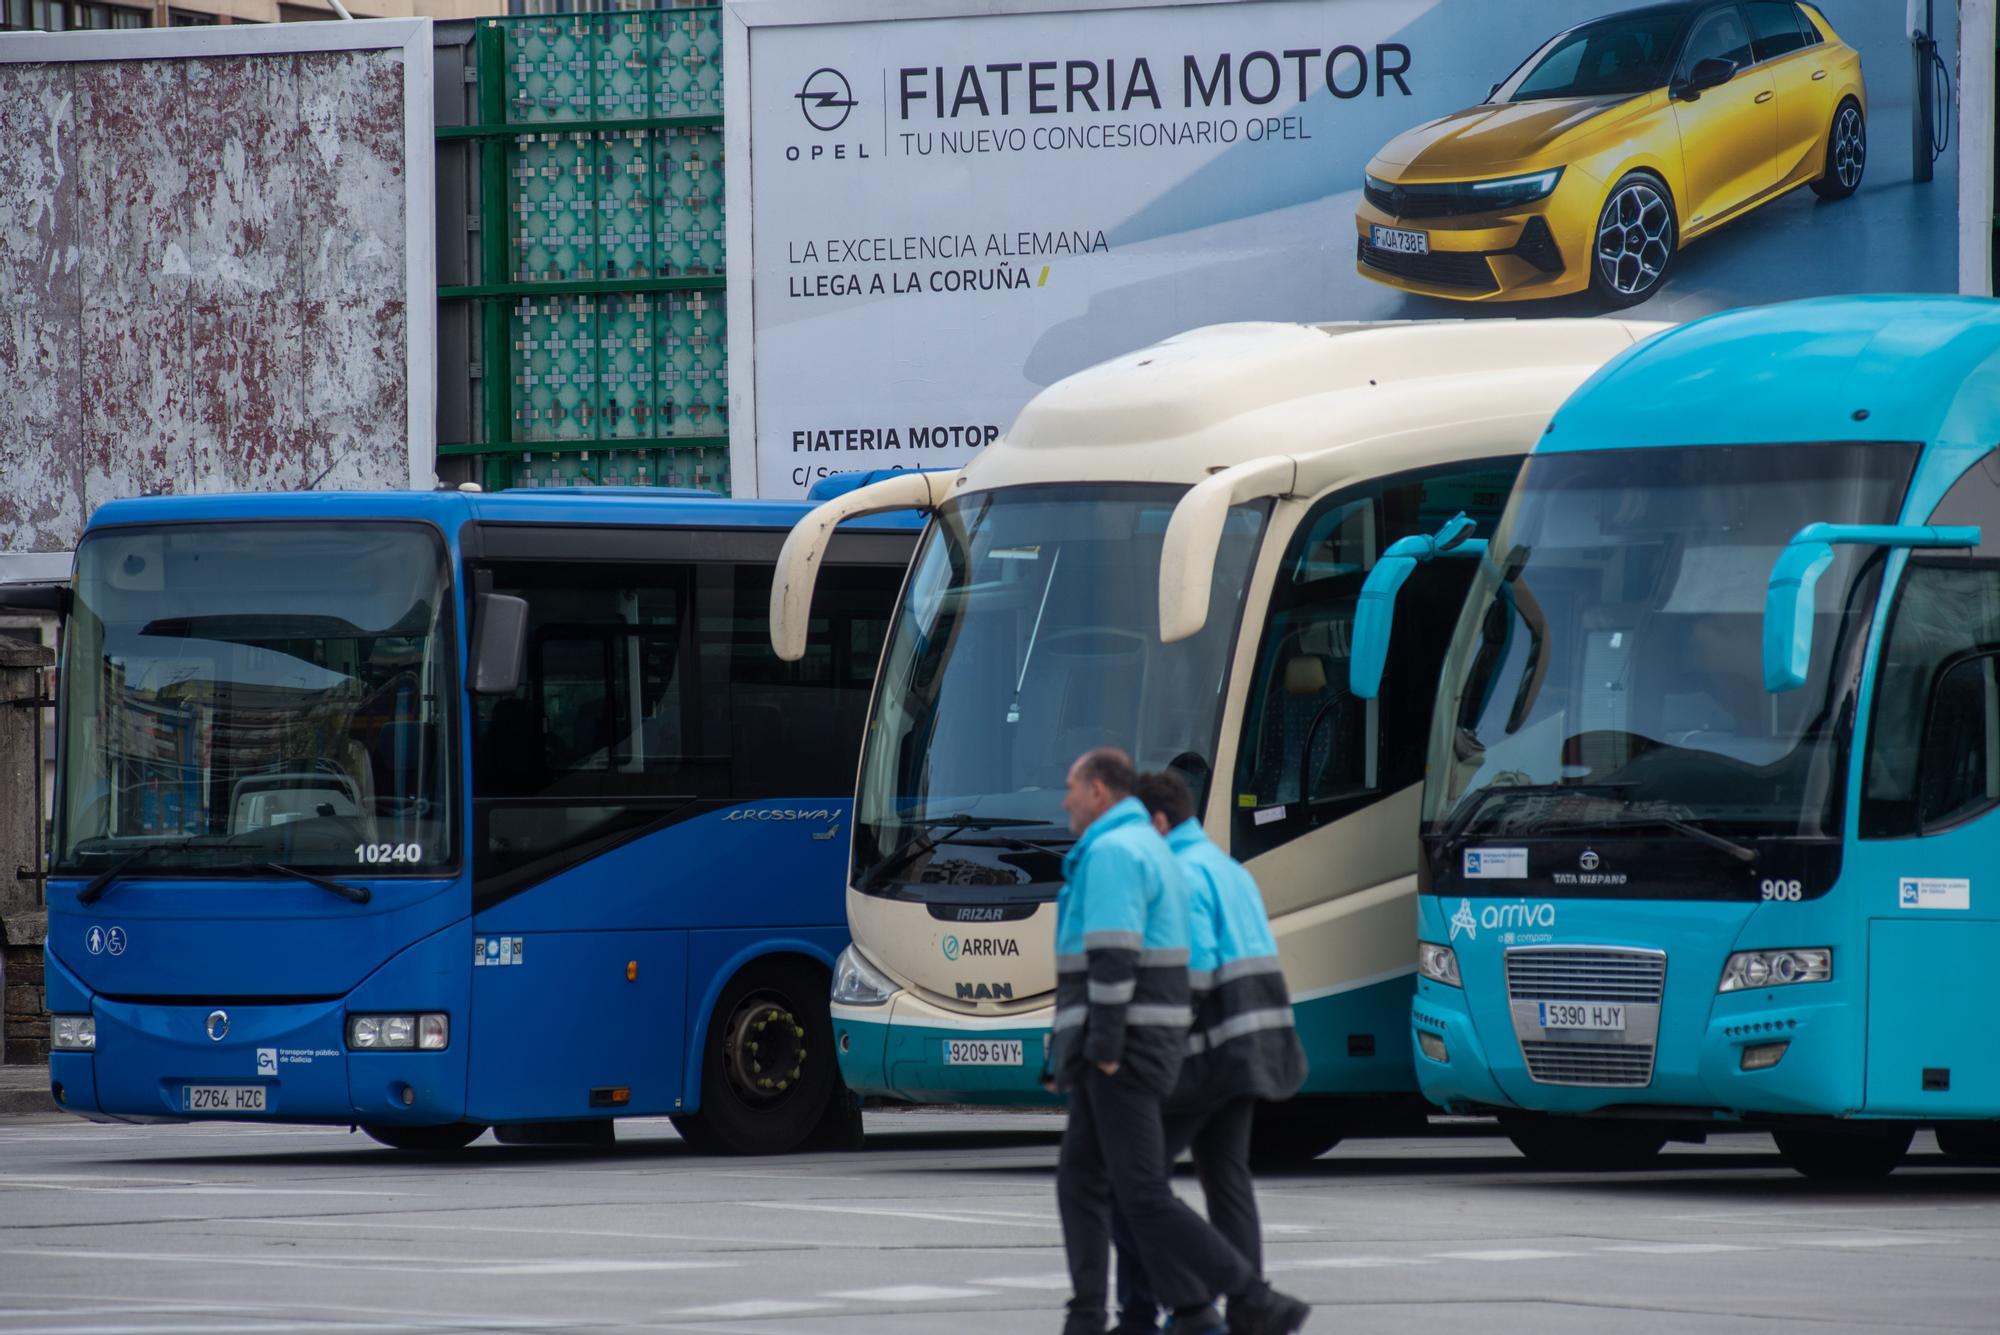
(1601, 1064)
(1543, 974)
(1634, 981)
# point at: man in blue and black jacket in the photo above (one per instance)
(1119, 1037)
(1243, 1047)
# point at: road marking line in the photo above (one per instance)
(1678, 1248)
(385, 1222)
(1928, 1241)
(1349, 1263)
(910, 1293)
(1054, 1282)
(922, 1216)
(1502, 1254)
(22, 1184)
(390, 1264)
(756, 1307)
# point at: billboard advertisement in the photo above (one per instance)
(216, 267)
(944, 214)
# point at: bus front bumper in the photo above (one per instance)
(897, 1051)
(229, 1061)
(1713, 1071)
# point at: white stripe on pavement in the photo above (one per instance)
(910, 1293)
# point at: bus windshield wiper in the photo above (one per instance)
(942, 830)
(1637, 820)
(359, 894)
(94, 889)
(1465, 815)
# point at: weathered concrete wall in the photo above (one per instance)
(24, 1026)
(202, 281)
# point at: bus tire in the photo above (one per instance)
(1286, 1135)
(426, 1139)
(1848, 1155)
(1976, 1141)
(768, 1075)
(1583, 1145)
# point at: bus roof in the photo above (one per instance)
(1180, 410)
(448, 509)
(1879, 368)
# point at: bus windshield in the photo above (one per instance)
(1028, 634)
(241, 694)
(1607, 668)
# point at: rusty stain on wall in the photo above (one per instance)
(202, 281)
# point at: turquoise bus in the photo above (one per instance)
(1713, 784)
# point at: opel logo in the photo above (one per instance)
(1588, 861)
(218, 1026)
(826, 98)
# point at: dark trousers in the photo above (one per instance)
(1220, 1139)
(1114, 1152)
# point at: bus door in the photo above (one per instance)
(1930, 825)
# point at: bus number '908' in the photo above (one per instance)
(1789, 890)
(388, 852)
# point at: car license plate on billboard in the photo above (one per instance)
(222, 1098)
(1594, 1016)
(1400, 240)
(982, 1052)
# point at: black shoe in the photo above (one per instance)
(1206, 1321)
(1083, 1323)
(1137, 1323)
(1265, 1311)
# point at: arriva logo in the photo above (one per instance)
(1463, 921)
(1496, 916)
(950, 945)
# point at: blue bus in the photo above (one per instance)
(1713, 786)
(429, 812)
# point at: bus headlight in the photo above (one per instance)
(856, 982)
(374, 1033)
(1749, 969)
(1438, 963)
(73, 1033)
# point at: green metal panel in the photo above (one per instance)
(602, 258)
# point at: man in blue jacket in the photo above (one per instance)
(1120, 1033)
(1243, 1047)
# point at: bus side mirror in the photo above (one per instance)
(499, 643)
(1788, 596)
(1375, 611)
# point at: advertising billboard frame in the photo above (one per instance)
(412, 37)
(1973, 111)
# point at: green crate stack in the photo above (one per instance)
(602, 149)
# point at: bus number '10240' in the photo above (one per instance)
(388, 852)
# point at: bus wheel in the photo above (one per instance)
(1285, 1135)
(1857, 1155)
(1583, 1145)
(434, 1139)
(767, 1066)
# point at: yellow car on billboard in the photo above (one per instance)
(1613, 146)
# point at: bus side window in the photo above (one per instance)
(592, 746)
(1312, 751)
(1930, 761)
(775, 729)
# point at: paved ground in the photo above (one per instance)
(945, 1223)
